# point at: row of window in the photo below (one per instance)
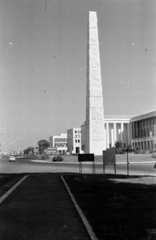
(144, 128)
(146, 145)
(77, 140)
(77, 136)
(147, 132)
(60, 145)
(77, 131)
(60, 139)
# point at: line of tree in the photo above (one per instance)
(29, 150)
(43, 145)
(119, 146)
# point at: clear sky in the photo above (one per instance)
(43, 46)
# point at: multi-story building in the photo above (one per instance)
(144, 131)
(138, 131)
(59, 142)
(74, 140)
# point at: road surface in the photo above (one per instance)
(31, 165)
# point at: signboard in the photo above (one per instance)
(109, 157)
(52, 150)
(86, 157)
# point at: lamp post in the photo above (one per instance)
(19, 143)
(127, 153)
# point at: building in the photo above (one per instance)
(59, 142)
(74, 140)
(143, 131)
(116, 128)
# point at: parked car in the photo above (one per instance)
(57, 159)
(44, 156)
(12, 159)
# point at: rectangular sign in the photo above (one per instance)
(88, 157)
(109, 157)
(52, 149)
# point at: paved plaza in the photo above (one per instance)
(40, 208)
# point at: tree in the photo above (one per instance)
(28, 150)
(118, 146)
(43, 144)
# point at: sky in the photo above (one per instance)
(43, 56)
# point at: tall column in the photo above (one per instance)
(95, 139)
(122, 128)
(115, 133)
(132, 130)
(107, 134)
(127, 134)
(145, 127)
(112, 136)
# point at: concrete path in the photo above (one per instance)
(40, 208)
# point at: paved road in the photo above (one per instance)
(30, 165)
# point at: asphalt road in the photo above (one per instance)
(31, 165)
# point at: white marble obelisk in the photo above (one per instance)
(94, 125)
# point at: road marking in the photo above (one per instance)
(12, 189)
(84, 220)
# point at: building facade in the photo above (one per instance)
(74, 140)
(59, 142)
(138, 131)
(115, 129)
(143, 131)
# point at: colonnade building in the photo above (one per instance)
(115, 129)
(138, 131)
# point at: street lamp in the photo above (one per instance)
(127, 153)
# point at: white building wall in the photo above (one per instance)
(70, 140)
(74, 140)
(120, 129)
(60, 142)
(117, 129)
(83, 137)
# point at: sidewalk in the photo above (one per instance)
(40, 208)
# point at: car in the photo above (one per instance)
(12, 159)
(44, 156)
(57, 159)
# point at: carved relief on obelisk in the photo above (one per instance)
(95, 139)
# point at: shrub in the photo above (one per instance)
(153, 155)
(44, 156)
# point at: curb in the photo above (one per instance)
(82, 216)
(12, 189)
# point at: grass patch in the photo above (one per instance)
(117, 206)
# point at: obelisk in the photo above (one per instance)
(94, 125)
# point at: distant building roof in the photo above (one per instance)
(118, 116)
(145, 115)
